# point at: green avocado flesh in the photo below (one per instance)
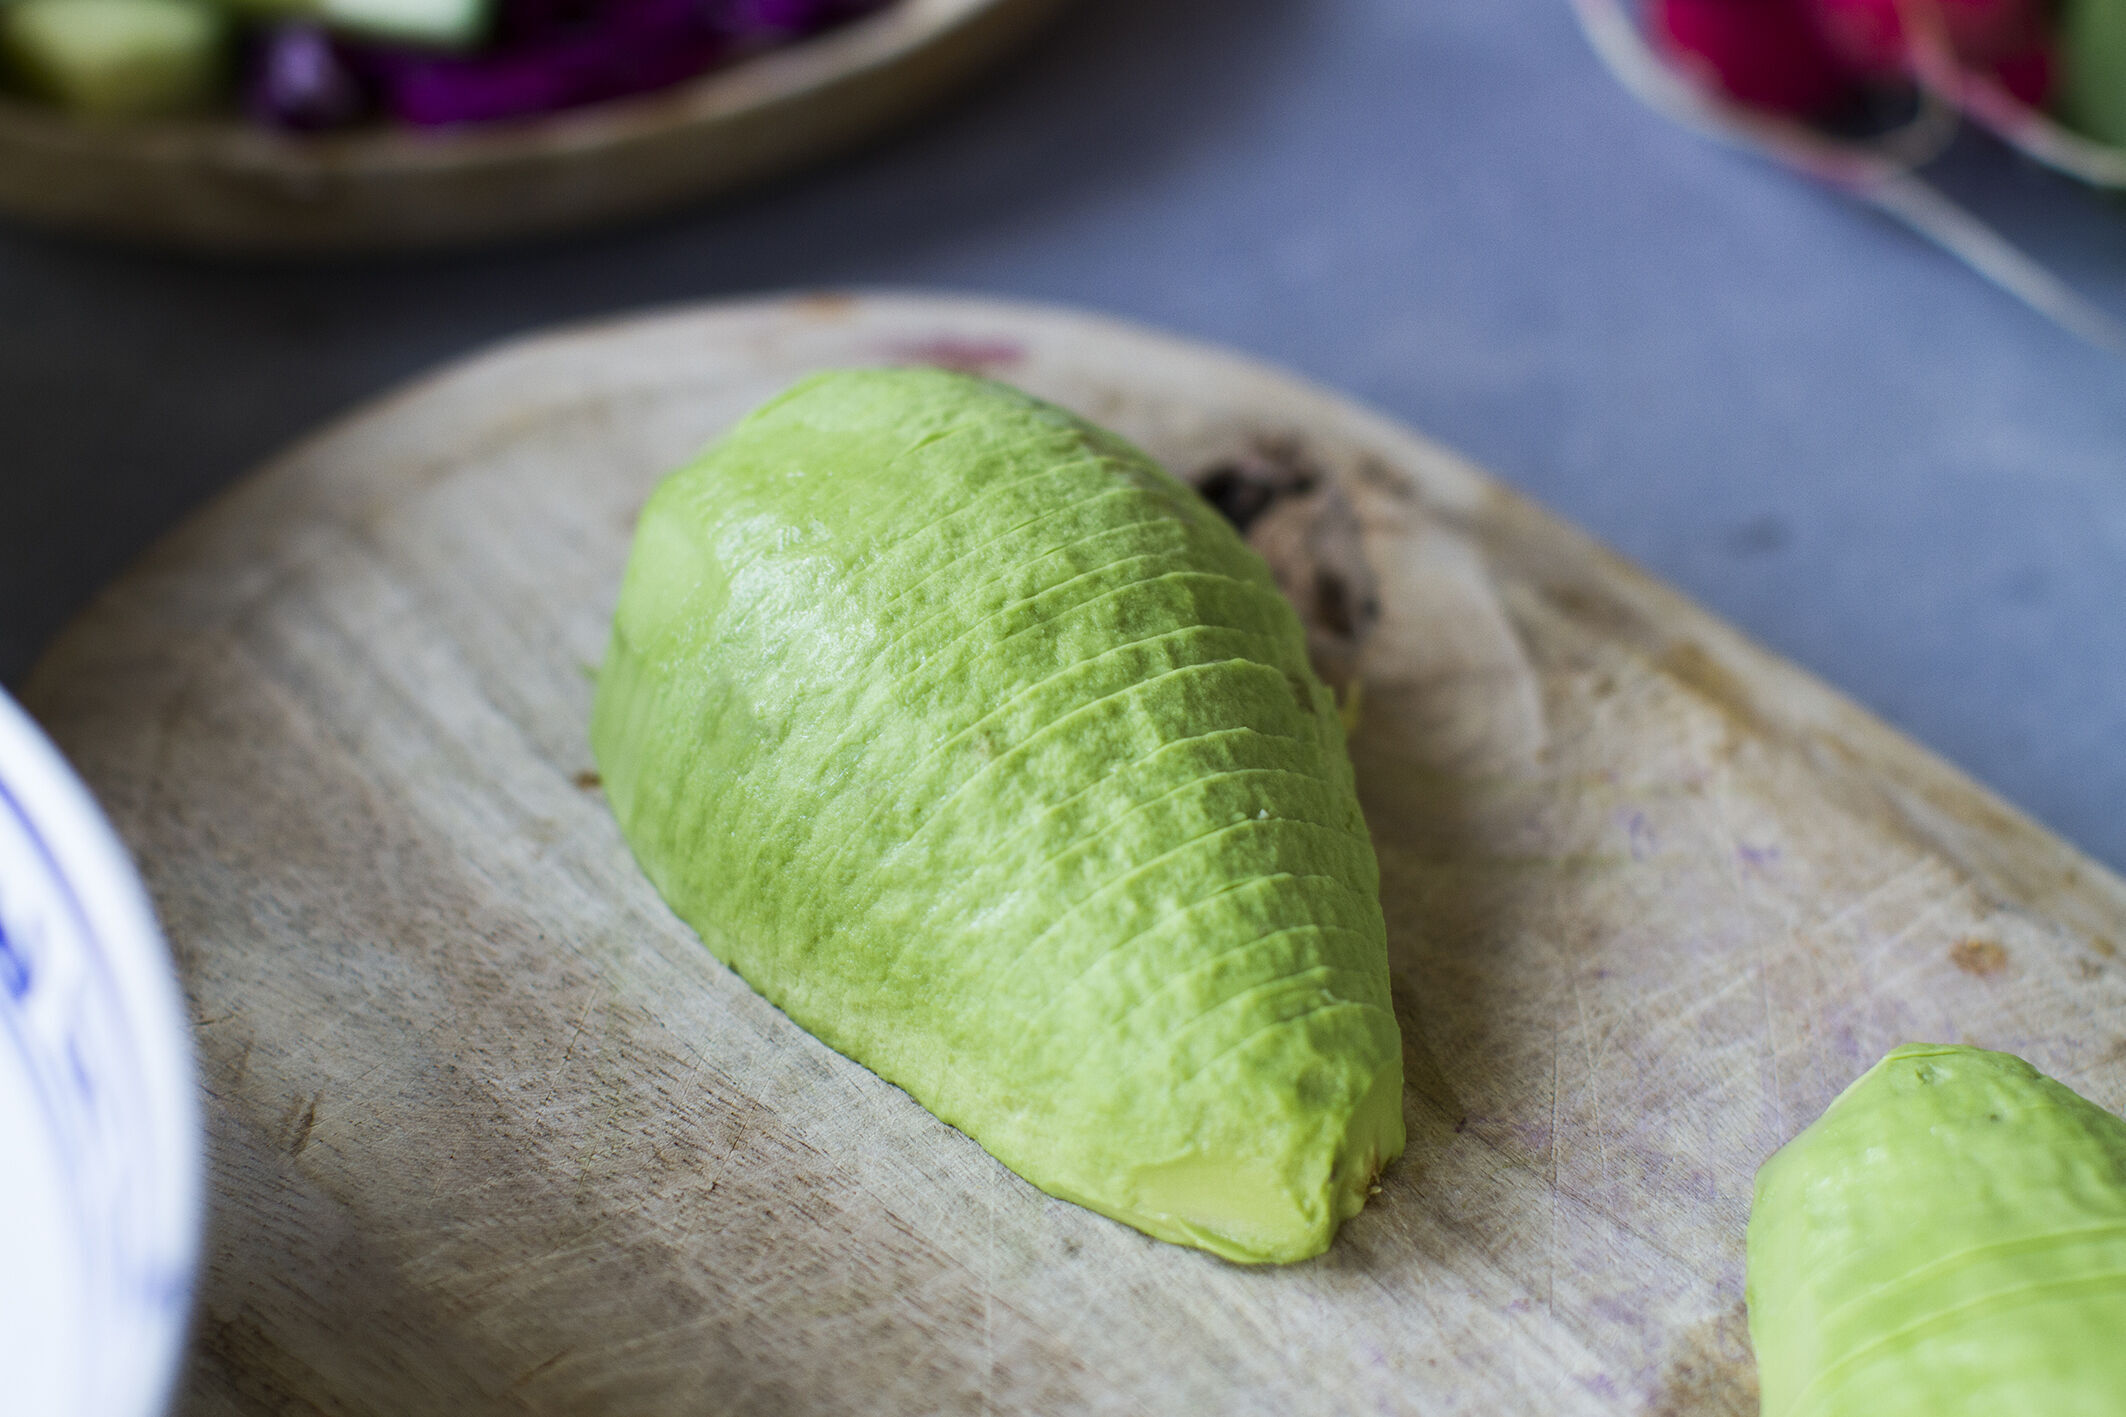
(988, 752)
(1948, 1239)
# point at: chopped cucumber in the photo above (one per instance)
(449, 23)
(440, 24)
(116, 58)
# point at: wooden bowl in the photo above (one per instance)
(221, 185)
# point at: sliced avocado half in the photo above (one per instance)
(987, 751)
(1947, 1240)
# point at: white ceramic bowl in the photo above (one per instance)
(99, 1123)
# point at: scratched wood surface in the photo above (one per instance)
(492, 1133)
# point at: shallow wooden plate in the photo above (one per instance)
(225, 186)
(491, 1132)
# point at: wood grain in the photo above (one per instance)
(493, 1133)
(226, 186)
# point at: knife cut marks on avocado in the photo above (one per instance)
(987, 751)
(1947, 1240)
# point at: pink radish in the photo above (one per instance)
(2028, 76)
(1765, 53)
(1869, 35)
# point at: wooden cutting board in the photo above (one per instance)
(492, 1133)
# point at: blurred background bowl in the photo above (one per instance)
(223, 185)
(99, 1124)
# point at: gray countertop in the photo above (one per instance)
(1801, 415)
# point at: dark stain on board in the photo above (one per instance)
(962, 354)
(1334, 609)
(1981, 959)
(1295, 514)
(302, 1121)
(1710, 1372)
(1247, 484)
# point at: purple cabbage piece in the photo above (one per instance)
(791, 17)
(522, 22)
(554, 54)
(298, 78)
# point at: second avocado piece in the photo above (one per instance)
(1947, 1240)
(987, 751)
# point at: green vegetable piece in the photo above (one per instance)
(435, 24)
(2092, 57)
(1948, 1239)
(446, 24)
(990, 753)
(116, 58)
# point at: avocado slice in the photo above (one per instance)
(116, 58)
(989, 752)
(1948, 1239)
